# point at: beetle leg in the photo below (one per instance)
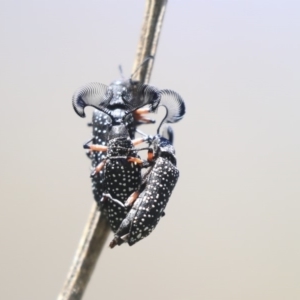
(138, 141)
(147, 138)
(141, 111)
(132, 198)
(113, 243)
(119, 240)
(135, 160)
(86, 146)
(95, 147)
(98, 168)
(144, 120)
(140, 118)
(150, 156)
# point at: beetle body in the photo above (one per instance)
(158, 185)
(121, 177)
(102, 126)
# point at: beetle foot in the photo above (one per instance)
(93, 173)
(135, 160)
(131, 199)
(119, 240)
(86, 145)
(148, 139)
(113, 243)
(98, 168)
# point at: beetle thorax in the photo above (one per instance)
(120, 147)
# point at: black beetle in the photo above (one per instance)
(112, 103)
(150, 200)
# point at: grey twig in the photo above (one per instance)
(153, 19)
(97, 228)
(92, 241)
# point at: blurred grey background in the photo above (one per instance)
(231, 229)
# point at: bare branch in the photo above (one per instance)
(153, 20)
(90, 246)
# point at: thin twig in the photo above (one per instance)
(92, 241)
(153, 19)
(97, 228)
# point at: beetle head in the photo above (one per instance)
(127, 95)
(162, 147)
(118, 95)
